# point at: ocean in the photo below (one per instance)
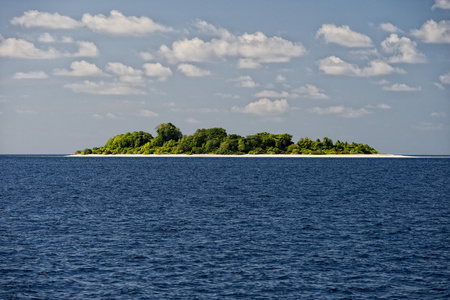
(224, 228)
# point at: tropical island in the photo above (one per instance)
(215, 140)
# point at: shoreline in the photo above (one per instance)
(250, 155)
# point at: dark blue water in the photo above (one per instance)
(224, 228)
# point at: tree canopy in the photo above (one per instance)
(215, 140)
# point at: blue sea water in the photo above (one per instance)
(224, 228)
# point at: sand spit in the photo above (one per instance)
(251, 155)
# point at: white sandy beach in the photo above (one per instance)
(251, 155)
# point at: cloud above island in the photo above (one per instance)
(264, 107)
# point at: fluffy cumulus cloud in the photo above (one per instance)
(401, 87)
(442, 4)
(118, 24)
(245, 81)
(403, 50)
(264, 107)
(146, 56)
(343, 35)
(122, 70)
(311, 91)
(193, 71)
(341, 111)
(333, 65)
(48, 38)
(80, 69)
(250, 49)
(104, 88)
(432, 32)
(389, 27)
(34, 18)
(30, 75)
(126, 73)
(86, 49)
(157, 70)
(20, 48)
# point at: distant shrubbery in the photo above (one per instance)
(217, 141)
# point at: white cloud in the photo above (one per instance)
(389, 27)
(251, 49)
(147, 113)
(31, 75)
(193, 71)
(86, 49)
(401, 87)
(245, 81)
(34, 18)
(118, 24)
(264, 107)
(104, 88)
(122, 70)
(432, 32)
(19, 48)
(267, 50)
(442, 4)
(340, 111)
(445, 79)
(311, 91)
(46, 38)
(126, 74)
(147, 56)
(333, 65)
(403, 50)
(343, 36)
(271, 94)
(249, 63)
(206, 27)
(80, 68)
(157, 70)
(132, 80)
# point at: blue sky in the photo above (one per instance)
(75, 73)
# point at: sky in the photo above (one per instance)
(75, 73)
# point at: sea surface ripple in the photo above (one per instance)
(210, 228)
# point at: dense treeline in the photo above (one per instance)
(216, 141)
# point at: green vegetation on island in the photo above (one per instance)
(170, 140)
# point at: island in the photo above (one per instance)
(170, 140)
